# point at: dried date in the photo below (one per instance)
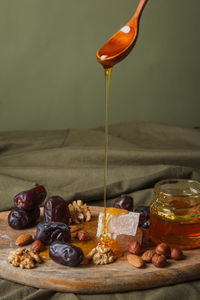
(48, 232)
(144, 212)
(56, 210)
(66, 254)
(124, 202)
(20, 219)
(30, 199)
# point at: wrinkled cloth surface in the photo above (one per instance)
(70, 163)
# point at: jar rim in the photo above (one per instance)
(158, 185)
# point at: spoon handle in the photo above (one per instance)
(137, 12)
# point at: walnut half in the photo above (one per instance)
(23, 258)
(79, 212)
(101, 256)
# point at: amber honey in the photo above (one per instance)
(105, 241)
(45, 254)
(175, 213)
(87, 246)
(91, 228)
(107, 74)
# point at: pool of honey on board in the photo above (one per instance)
(87, 246)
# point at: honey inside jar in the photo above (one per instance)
(175, 213)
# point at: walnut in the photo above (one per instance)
(73, 214)
(14, 260)
(90, 255)
(103, 256)
(79, 212)
(14, 256)
(19, 251)
(35, 256)
(23, 258)
(26, 261)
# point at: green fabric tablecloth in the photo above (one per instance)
(70, 163)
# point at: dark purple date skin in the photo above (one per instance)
(48, 232)
(19, 218)
(124, 202)
(56, 210)
(144, 212)
(66, 254)
(28, 200)
(145, 225)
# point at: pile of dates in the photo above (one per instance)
(58, 236)
(54, 231)
(126, 202)
(27, 210)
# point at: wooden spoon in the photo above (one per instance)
(120, 44)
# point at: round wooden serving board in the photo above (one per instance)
(90, 279)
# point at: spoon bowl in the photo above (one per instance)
(122, 42)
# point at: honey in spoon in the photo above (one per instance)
(120, 44)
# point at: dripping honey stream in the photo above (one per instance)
(107, 75)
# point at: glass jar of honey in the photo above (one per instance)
(175, 213)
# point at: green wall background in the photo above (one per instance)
(50, 79)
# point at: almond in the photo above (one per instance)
(23, 239)
(135, 260)
(37, 246)
(147, 255)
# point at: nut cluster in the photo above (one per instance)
(23, 258)
(158, 256)
(79, 212)
(101, 256)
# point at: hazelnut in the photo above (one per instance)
(177, 254)
(135, 248)
(163, 249)
(37, 246)
(159, 261)
(82, 235)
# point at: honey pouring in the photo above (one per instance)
(112, 52)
